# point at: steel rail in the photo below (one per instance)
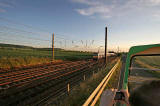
(34, 84)
(77, 71)
(53, 77)
(86, 66)
(36, 76)
(75, 79)
(34, 71)
(31, 69)
(59, 92)
(3, 71)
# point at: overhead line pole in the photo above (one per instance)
(53, 47)
(105, 45)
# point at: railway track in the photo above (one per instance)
(12, 78)
(32, 84)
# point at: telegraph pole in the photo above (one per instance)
(105, 54)
(86, 43)
(65, 44)
(118, 50)
(53, 47)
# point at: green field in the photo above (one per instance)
(150, 62)
(153, 61)
(17, 56)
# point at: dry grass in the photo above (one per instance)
(12, 62)
(113, 82)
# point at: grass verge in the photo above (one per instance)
(79, 94)
(113, 82)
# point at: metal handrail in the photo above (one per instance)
(98, 91)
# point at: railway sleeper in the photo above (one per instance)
(27, 96)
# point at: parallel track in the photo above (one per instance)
(22, 83)
(21, 77)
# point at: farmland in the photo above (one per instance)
(149, 62)
(18, 56)
(153, 61)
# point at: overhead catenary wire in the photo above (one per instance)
(18, 30)
(18, 23)
(60, 38)
(31, 27)
(28, 37)
(15, 30)
(16, 42)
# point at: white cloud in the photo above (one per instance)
(156, 16)
(87, 2)
(94, 7)
(154, 2)
(94, 10)
(110, 8)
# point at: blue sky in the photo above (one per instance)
(130, 22)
